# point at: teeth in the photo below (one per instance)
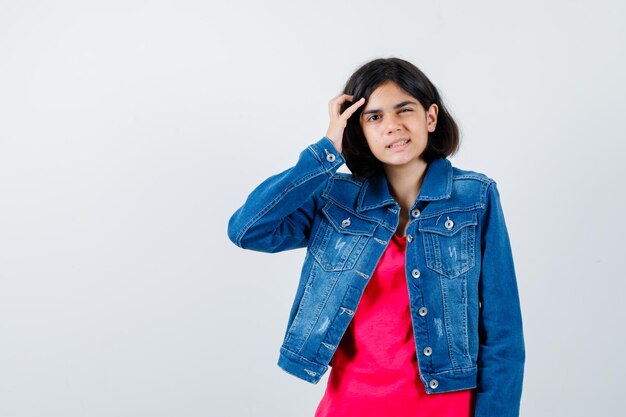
(402, 142)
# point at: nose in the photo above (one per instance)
(393, 123)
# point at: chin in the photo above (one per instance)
(404, 161)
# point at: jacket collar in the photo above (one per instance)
(437, 185)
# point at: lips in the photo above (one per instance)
(398, 143)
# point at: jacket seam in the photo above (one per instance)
(455, 370)
(302, 358)
(481, 178)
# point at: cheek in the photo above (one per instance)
(374, 139)
(417, 125)
(377, 148)
(370, 139)
(371, 134)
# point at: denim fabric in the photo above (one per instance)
(461, 278)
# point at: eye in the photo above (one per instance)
(371, 118)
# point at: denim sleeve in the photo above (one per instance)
(279, 212)
(501, 353)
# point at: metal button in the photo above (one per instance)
(428, 351)
(416, 273)
(345, 223)
(409, 238)
(449, 224)
(434, 384)
(423, 311)
(480, 304)
(415, 212)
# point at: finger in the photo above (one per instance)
(338, 97)
(334, 106)
(342, 97)
(350, 110)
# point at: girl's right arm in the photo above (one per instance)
(279, 212)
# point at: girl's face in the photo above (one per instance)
(396, 125)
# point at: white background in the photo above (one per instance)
(130, 131)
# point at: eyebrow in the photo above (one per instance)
(397, 106)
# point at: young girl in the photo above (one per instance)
(408, 287)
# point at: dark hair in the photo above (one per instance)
(444, 141)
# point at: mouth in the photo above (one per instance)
(398, 144)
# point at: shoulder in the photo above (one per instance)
(347, 178)
(344, 189)
(460, 174)
(476, 182)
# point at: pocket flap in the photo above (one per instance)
(448, 224)
(346, 221)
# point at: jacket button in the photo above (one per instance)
(330, 157)
(415, 273)
(409, 238)
(415, 212)
(428, 351)
(423, 311)
(345, 223)
(449, 224)
(434, 384)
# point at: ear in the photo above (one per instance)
(431, 117)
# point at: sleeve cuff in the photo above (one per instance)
(325, 152)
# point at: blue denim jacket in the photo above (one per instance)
(464, 300)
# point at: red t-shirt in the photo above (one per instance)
(374, 370)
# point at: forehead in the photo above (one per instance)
(389, 94)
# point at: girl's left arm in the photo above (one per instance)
(501, 353)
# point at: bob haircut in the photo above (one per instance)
(443, 142)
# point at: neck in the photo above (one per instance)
(405, 182)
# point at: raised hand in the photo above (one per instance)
(338, 121)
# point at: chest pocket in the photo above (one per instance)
(449, 242)
(340, 238)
